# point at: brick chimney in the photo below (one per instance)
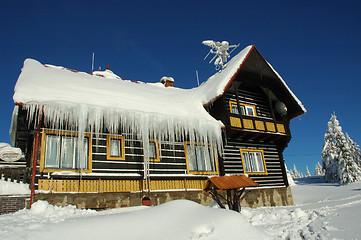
(167, 81)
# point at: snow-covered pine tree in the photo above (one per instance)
(355, 150)
(329, 151)
(308, 174)
(348, 170)
(296, 174)
(337, 157)
(289, 176)
(318, 170)
(291, 173)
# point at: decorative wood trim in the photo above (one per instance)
(270, 127)
(259, 125)
(235, 122)
(281, 128)
(109, 157)
(101, 185)
(248, 124)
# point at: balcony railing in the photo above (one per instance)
(254, 123)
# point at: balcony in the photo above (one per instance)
(257, 127)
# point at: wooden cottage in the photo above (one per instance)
(100, 141)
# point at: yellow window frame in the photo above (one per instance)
(122, 143)
(216, 172)
(244, 105)
(157, 159)
(244, 164)
(63, 133)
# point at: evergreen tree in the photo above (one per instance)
(338, 157)
(355, 150)
(329, 151)
(308, 174)
(318, 170)
(349, 171)
(296, 174)
(291, 173)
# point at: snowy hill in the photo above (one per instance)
(322, 211)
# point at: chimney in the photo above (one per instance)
(167, 81)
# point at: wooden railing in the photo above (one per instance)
(15, 174)
(62, 185)
(259, 124)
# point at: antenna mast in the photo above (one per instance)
(93, 63)
(197, 78)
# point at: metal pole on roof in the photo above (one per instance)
(93, 63)
(197, 78)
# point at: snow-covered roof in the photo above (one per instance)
(104, 99)
(216, 85)
(49, 85)
(81, 100)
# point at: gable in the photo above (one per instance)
(249, 65)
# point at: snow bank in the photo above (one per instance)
(8, 188)
(322, 211)
(180, 219)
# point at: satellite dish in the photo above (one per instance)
(281, 108)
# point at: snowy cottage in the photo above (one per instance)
(101, 142)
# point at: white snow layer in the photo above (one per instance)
(322, 211)
(81, 100)
(9, 188)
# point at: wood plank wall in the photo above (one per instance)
(232, 157)
(232, 162)
(261, 103)
(172, 157)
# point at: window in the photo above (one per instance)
(250, 110)
(253, 161)
(234, 108)
(63, 151)
(115, 147)
(246, 109)
(201, 159)
(154, 150)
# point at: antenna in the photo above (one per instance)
(197, 77)
(93, 63)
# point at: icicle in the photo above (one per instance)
(84, 118)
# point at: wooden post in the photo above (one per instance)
(35, 158)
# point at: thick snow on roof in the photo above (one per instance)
(81, 100)
(48, 85)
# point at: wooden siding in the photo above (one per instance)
(232, 162)
(253, 98)
(171, 155)
(172, 164)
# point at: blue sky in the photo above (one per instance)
(314, 45)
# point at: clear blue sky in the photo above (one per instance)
(314, 45)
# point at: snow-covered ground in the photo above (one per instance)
(321, 211)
